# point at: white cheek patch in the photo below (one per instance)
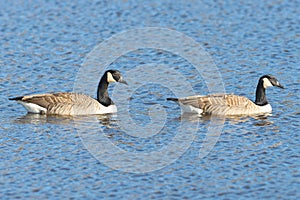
(110, 78)
(267, 83)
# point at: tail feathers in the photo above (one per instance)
(172, 99)
(16, 98)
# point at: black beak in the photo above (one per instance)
(280, 86)
(123, 81)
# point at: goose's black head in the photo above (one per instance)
(269, 81)
(114, 76)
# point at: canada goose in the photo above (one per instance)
(230, 104)
(67, 103)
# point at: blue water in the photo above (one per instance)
(43, 48)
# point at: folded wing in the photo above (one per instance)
(221, 104)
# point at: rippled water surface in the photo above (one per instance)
(149, 150)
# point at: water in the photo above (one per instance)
(43, 45)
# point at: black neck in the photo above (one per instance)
(102, 94)
(261, 98)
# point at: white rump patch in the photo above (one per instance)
(267, 83)
(191, 109)
(110, 78)
(33, 108)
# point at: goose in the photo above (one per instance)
(68, 103)
(230, 104)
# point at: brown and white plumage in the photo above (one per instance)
(230, 104)
(221, 104)
(67, 103)
(63, 103)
